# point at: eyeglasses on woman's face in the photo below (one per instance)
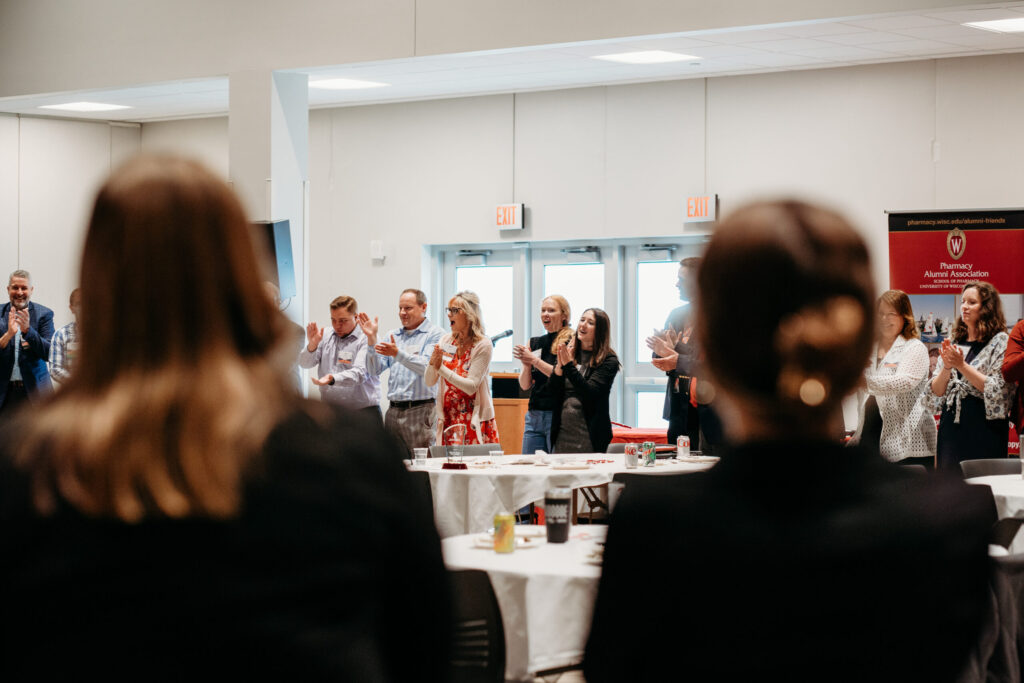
(454, 310)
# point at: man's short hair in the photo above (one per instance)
(421, 298)
(20, 273)
(690, 262)
(346, 302)
(71, 298)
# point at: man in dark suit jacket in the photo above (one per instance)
(26, 329)
(685, 414)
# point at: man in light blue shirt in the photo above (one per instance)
(406, 352)
(341, 360)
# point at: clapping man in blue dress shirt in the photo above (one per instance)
(406, 352)
(340, 359)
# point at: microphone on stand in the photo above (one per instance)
(501, 335)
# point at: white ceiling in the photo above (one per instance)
(742, 50)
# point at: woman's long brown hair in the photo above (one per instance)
(180, 375)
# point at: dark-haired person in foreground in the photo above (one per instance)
(175, 512)
(793, 559)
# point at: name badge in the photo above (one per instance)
(345, 357)
(891, 366)
(450, 349)
(964, 349)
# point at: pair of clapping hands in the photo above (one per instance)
(566, 354)
(315, 334)
(663, 344)
(952, 355)
(17, 319)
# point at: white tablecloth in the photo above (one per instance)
(465, 501)
(546, 595)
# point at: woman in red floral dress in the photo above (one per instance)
(460, 362)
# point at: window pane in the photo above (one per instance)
(581, 283)
(649, 405)
(656, 296)
(494, 286)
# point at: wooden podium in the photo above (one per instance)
(510, 414)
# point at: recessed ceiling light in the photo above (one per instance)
(1000, 25)
(345, 84)
(647, 57)
(85, 106)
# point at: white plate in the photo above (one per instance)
(698, 458)
(526, 531)
(522, 543)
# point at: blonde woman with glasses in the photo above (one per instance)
(461, 363)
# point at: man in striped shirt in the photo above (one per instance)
(406, 352)
(64, 346)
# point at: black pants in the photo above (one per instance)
(684, 420)
(15, 398)
(374, 411)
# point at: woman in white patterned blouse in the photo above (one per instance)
(893, 419)
(968, 385)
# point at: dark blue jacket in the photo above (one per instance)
(35, 351)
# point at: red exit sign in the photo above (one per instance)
(701, 208)
(508, 217)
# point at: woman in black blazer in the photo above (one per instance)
(580, 384)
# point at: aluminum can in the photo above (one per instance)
(648, 453)
(504, 532)
(683, 446)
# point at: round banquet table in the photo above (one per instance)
(465, 501)
(545, 593)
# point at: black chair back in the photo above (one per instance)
(990, 467)
(478, 646)
(422, 480)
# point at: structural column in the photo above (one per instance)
(268, 159)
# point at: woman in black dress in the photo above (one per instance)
(968, 385)
(581, 384)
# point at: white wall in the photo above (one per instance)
(9, 159)
(593, 162)
(204, 139)
(50, 170)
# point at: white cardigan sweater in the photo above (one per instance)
(477, 383)
(898, 384)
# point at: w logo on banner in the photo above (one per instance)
(956, 243)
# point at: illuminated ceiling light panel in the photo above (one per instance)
(345, 84)
(1000, 25)
(85, 106)
(647, 57)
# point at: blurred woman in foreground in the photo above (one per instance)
(176, 511)
(795, 559)
(893, 419)
(968, 387)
